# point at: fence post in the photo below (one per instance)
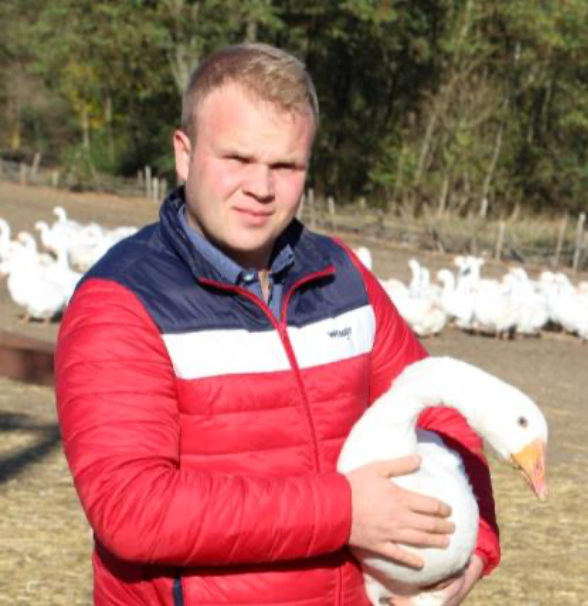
(583, 249)
(579, 241)
(311, 207)
(332, 210)
(148, 183)
(301, 206)
(55, 178)
(35, 166)
(23, 173)
(162, 188)
(560, 238)
(155, 189)
(500, 241)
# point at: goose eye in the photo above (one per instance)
(523, 422)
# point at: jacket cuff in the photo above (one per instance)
(336, 512)
(488, 548)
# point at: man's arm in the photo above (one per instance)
(120, 423)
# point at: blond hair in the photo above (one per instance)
(263, 71)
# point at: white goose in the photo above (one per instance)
(365, 256)
(458, 303)
(505, 417)
(28, 288)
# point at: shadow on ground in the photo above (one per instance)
(16, 461)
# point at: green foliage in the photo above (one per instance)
(432, 105)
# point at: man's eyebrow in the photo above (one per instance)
(236, 151)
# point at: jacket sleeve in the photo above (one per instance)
(119, 419)
(396, 347)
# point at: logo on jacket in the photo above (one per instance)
(340, 333)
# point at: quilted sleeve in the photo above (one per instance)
(118, 416)
(396, 347)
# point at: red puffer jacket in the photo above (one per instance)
(202, 433)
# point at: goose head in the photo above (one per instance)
(61, 214)
(508, 420)
(518, 434)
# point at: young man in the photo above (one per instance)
(210, 367)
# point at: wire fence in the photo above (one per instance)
(554, 242)
(560, 242)
(146, 184)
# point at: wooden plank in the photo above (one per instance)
(26, 359)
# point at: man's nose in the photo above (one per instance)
(260, 182)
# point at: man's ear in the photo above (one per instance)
(182, 151)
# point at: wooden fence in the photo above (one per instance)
(146, 184)
(564, 245)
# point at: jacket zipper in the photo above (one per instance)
(282, 329)
(177, 590)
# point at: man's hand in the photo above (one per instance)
(383, 514)
(455, 590)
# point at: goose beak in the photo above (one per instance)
(531, 461)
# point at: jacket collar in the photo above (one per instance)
(307, 257)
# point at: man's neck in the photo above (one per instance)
(265, 284)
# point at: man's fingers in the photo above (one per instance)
(429, 506)
(399, 467)
(403, 556)
(419, 503)
(435, 525)
(418, 538)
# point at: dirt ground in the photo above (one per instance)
(44, 538)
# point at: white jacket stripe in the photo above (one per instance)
(212, 353)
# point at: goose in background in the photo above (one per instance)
(570, 311)
(424, 316)
(509, 421)
(49, 238)
(64, 224)
(532, 304)
(469, 275)
(60, 274)
(397, 291)
(29, 247)
(85, 242)
(5, 233)
(8, 247)
(495, 311)
(365, 256)
(417, 284)
(419, 304)
(29, 288)
(458, 303)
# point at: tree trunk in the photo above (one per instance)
(109, 133)
(85, 126)
(494, 160)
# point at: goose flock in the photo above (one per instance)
(41, 279)
(42, 274)
(507, 307)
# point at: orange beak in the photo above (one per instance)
(531, 461)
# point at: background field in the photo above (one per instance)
(45, 541)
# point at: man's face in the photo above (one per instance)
(245, 173)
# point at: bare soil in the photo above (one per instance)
(44, 538)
